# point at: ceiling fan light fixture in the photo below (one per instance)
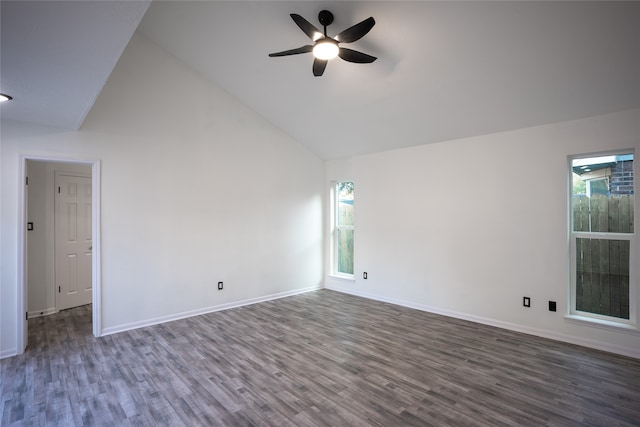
(326, 49)
(4, 97)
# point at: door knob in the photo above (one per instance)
(90, 247)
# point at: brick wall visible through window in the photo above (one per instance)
(621, 181)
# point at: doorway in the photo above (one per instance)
(43, 262)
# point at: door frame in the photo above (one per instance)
(96, 256)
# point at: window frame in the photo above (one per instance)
(595, 318)
(335, 227)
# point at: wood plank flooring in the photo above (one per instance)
(316, 359)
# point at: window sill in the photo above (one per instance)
(601, 323)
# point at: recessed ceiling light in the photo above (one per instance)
(4, 97)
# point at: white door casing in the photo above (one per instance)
(73, 241)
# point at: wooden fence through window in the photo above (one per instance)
(602, 265)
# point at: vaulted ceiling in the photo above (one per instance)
(445, 70)
(55, 56)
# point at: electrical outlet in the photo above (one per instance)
(220, 286)
(526, 301)
(364, 275)
(552, 306)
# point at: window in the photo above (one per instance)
(602, 233)
(343, 231)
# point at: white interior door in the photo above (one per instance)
(73, 241)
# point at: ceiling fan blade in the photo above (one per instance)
(308, 28)
(356, 32)
(355, 56)
(304, 49)
(318, 66)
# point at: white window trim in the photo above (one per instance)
(593, 319)
(602, 323)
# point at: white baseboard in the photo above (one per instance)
(497, 323)
(212, 309)
(40, 313)
(8, 353)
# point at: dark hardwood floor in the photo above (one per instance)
(316, 359)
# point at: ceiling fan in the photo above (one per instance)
(324, 47)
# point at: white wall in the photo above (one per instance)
(469, 227)
(40, 241)
(196, 189)
(38, 297)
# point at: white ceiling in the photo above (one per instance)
(445, 70)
